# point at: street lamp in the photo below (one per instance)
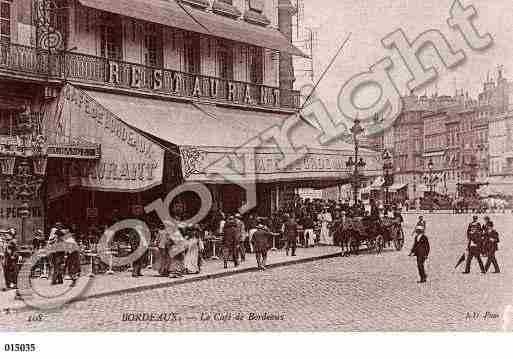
(356, 164)
(388, 174)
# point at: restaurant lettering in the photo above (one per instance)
(309, 163)
(111, 171)
(107, 122)
(181, 84)
(8, 212)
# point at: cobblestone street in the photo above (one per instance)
(365, 292)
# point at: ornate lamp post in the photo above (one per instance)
(388, 174)
(356, 164)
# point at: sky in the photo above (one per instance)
(369, 21)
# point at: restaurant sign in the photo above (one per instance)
(129, 161)
(261, 165)
(188, 85)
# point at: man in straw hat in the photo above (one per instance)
(420, 250)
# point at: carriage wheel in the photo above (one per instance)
(380, 243)
(399, 240)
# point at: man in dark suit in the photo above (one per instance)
(420, 250)
(135, 242)
(474, 247)
(491, 245)
(261, 240)
(231, 242)
(290, 232)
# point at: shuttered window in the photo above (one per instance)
(5, 21)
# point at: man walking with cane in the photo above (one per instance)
(475, 240)
(420, 250)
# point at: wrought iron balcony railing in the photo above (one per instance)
(118, 74)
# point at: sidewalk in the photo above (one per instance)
(105, 285)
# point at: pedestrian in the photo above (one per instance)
(326, 219)
(135, 242)
(3, 247)
(491, 238)
(58, 259)
(163, 242)
(192, 260)
(177, 249)
(474, 245)
(231, 242)
(242, 236)
(308, 226)
(261, 239)
(290, 232)
(72, 256)
(421, 250)
(11, 260)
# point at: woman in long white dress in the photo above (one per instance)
(325, 219)
(194, 249)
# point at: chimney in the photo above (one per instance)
(285, 13)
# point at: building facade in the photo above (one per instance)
(106, 106)
(443, 131)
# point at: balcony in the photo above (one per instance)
(26, 61)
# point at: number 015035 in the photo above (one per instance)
(19, 347)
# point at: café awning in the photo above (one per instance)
(207, 135)
(170, 13)
(128, 159)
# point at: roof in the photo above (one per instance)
(171, 13)
(157, 11)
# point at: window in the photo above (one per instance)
(225, 58)
(5, 21)
(193, 53)
(256, 65)
(153, 47)
(7, 121)
(256, 5)
(111, 37)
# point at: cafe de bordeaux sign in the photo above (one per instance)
(192, 86)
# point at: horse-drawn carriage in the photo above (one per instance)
(375, 234)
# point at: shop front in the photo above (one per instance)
(22, 160)
(149, 146)
(99, 169)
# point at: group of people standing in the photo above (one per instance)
(483, 239)
(258, 238)
(180, 253)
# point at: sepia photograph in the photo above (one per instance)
(241, 166)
